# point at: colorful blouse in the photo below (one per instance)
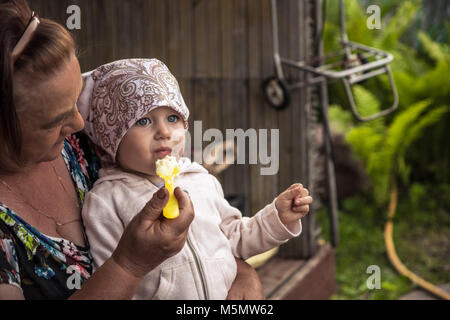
(45, 267)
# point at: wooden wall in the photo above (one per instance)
(220, 51)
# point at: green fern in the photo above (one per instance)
(384, 153)
(434, 50)
(413, 134)
(367, 105)
(421, 76)
(402, 19)
(340, 120)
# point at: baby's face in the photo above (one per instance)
(159, 133)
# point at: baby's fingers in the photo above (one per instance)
(304, 192)
(300, 209)
(291, 193)
(299, 201)
(295, 185)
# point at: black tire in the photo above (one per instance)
(276, 93)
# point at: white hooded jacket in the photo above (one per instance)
(205, 268)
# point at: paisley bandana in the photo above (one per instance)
(116, 95)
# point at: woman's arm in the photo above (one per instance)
(10, 292)
(147, 241)
(246, 285)
(109, 282)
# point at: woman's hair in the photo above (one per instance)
(48, 50)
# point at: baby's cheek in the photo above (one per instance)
(180, 140)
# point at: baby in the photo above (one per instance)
(135, 112)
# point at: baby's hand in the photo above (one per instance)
(293, 204)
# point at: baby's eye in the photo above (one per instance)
(173, 118)
(143, 122)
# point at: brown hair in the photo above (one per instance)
(50, 47)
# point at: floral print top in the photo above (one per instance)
(45, 267)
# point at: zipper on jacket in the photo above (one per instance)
(199, 267)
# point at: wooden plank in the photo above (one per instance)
(254, 119)
(185, 41)
(235, 116)
(276, 272)
(267, 67)
(284, 117)
(240, 32)
(122, 28)
(104, 39)
(173, 31)
(290, 119)
(309, 26)
(207, 39)
(227, 30)
(298, 117)
(91, 46)
(261, 116)
(137, 20)
(157, 31)
(37, 6)
(314, 280)
(207, 97)
(234, 39)
(234, 90)
(264, 187)
(147, 29)
(255, 39)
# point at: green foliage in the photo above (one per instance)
(439, 53)
(385, 145)
(422, 209)
(389, 38)
(410, 145)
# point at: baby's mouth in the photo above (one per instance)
(163, 151)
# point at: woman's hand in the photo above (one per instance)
(149, 238)
(247, 285)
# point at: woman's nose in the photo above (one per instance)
(75, 124)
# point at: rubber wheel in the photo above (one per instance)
(276, 92)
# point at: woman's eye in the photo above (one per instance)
(173, 118)
(143, 122)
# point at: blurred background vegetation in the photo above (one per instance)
(410, 147)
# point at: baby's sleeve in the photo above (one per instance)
(251, 236)
(104, 227)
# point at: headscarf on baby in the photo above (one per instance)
(116, 95)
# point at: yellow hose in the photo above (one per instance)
(388, 238)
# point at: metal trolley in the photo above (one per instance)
(352, 64)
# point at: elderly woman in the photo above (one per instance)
(46, 170)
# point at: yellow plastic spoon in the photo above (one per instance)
(167, 169)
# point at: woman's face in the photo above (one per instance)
(159, 133)
(50, 114)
